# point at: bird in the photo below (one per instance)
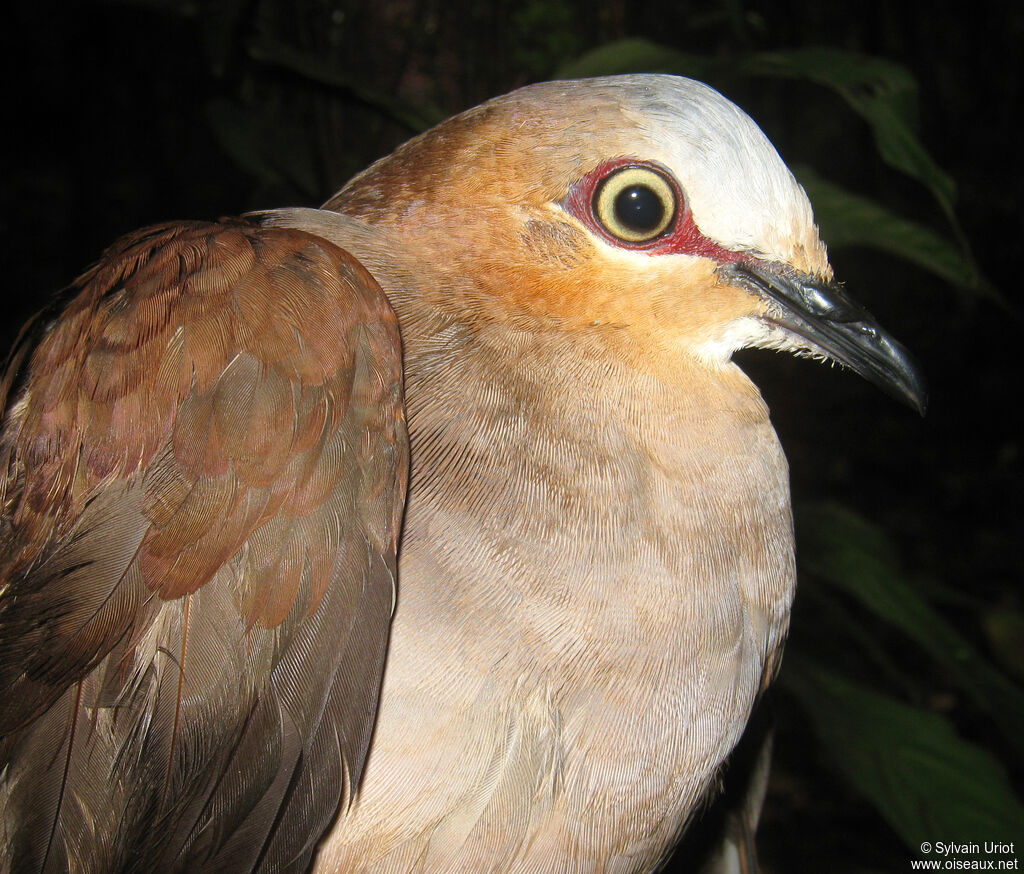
(431, 530)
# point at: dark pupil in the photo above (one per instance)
(639, 208)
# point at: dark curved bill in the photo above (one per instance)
(829, 321)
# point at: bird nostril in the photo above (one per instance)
(817, 301)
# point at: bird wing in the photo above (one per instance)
(203, 465)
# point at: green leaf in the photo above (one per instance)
(844, 550)
(635, 56)
(1004, 629)
(883, 93)
(847, 219)
(929, 784)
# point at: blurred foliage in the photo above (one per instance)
(922, 777)
(847, 219)
(906, 758)
(899, 707)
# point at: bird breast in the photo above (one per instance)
(595, 574)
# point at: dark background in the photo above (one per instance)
(121, 114)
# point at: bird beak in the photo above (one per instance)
(829, 322)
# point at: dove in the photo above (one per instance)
(432, 530)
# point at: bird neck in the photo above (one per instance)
(543, 418)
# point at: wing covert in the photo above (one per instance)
(204, 468)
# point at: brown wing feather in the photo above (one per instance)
(204, 464)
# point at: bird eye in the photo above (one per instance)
(635, 204)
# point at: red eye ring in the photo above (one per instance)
(680, 234)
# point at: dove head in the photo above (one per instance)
(649, 208)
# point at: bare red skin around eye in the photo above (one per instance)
(681, 237)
